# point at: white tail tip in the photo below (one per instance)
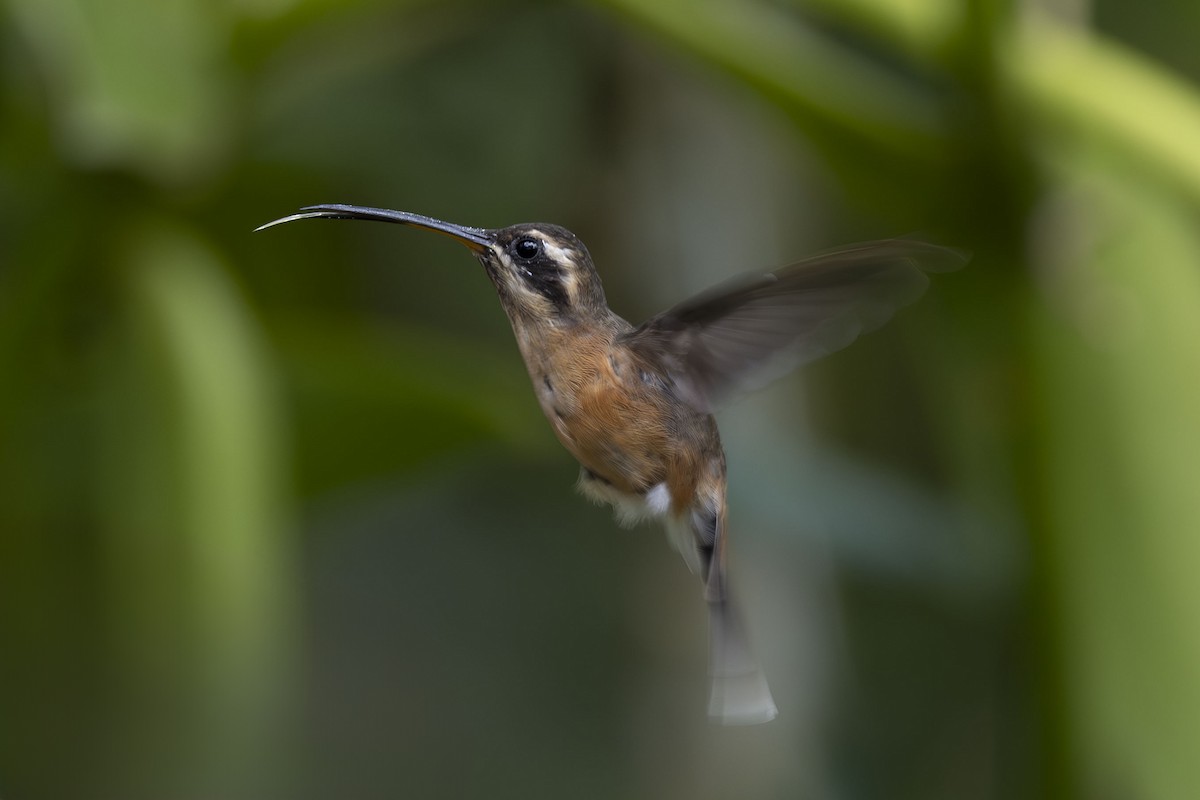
(743, 699)
(740, 695)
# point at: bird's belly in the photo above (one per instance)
(620, 439)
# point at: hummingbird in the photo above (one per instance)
(634, 404)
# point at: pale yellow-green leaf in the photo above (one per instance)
(1079, 84)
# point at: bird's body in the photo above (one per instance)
(641, 451)
(612, 411)
(634, 404)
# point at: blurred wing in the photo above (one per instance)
(743, 333)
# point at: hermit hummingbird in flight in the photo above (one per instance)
(634, 404)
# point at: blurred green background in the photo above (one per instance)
(279, 517)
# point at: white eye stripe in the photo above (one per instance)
(566, 257)
(559, 255)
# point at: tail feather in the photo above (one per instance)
(740, 695)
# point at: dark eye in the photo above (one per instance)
(526, 248)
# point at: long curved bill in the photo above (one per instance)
(477, 239)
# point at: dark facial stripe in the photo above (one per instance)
(545, 278)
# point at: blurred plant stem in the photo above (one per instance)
(834, 92)
(1118, 359)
